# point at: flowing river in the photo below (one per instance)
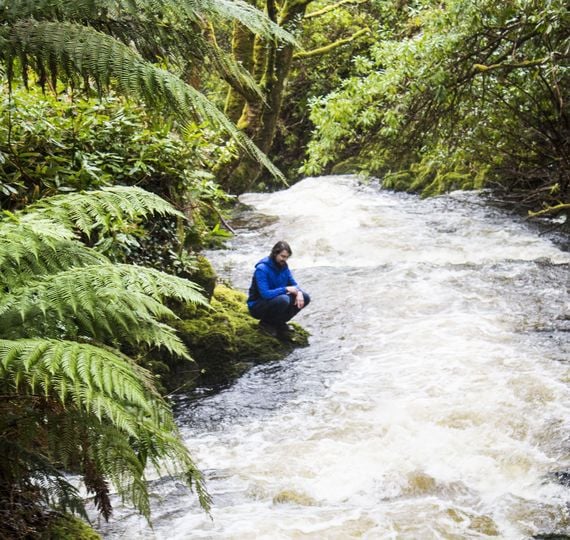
(432, 402)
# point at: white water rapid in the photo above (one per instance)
(432, 402)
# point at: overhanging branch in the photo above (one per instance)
(333, 7)
(331, 46)
(511, 65)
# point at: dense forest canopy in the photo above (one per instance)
(127, 126)
(464, 95)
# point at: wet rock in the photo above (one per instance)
(562, 477)
(293, 497)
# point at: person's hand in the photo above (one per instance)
(300, 300)
(291, 290)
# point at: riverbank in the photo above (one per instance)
(556, 227)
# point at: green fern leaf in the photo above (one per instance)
(159, 12)
(105, 302)
(109, 398)
(65, 370)
(93, 209)
(31, 245)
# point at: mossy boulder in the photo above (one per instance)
(205, 276)
(224, 341)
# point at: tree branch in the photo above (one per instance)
(240, 82)
(511, 65)
(333, 7)
(331, 46)
(550, 210)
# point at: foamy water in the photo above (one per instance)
(433, 401)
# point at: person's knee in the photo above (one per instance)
(307, 298)
(281, 302)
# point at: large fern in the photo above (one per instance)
(34, 469)
(109, 394)
(181, 12)
(160, 30)
(39, 239)
(36, 246)
(68, 394)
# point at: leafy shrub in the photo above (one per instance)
(55, 144)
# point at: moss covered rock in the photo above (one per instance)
(224, 341)
(205, 276)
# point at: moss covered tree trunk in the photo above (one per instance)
(270, 64)
(242, 49)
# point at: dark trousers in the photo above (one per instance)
(277, 310)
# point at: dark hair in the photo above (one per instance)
(279, 247)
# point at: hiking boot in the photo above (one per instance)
(269, 329)
(284, 330)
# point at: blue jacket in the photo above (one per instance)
(269, 280)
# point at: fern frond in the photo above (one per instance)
(159, 285)
(31, 246)
(87, 52)
(117, 460)
(163, 12)
(96, 209)
(39, 226)
(180, 460)
(112, 415)
(248, 15)
(162, 29)
(82, 286)
(105, 302)
(39, 239)
(51, 483)
(97, 381)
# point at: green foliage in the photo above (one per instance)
(127, 46)
(320, 74)
(458, 97)
(98, 210)
(160, 19)
(71, 397)
(53, 145)
(66, 527)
